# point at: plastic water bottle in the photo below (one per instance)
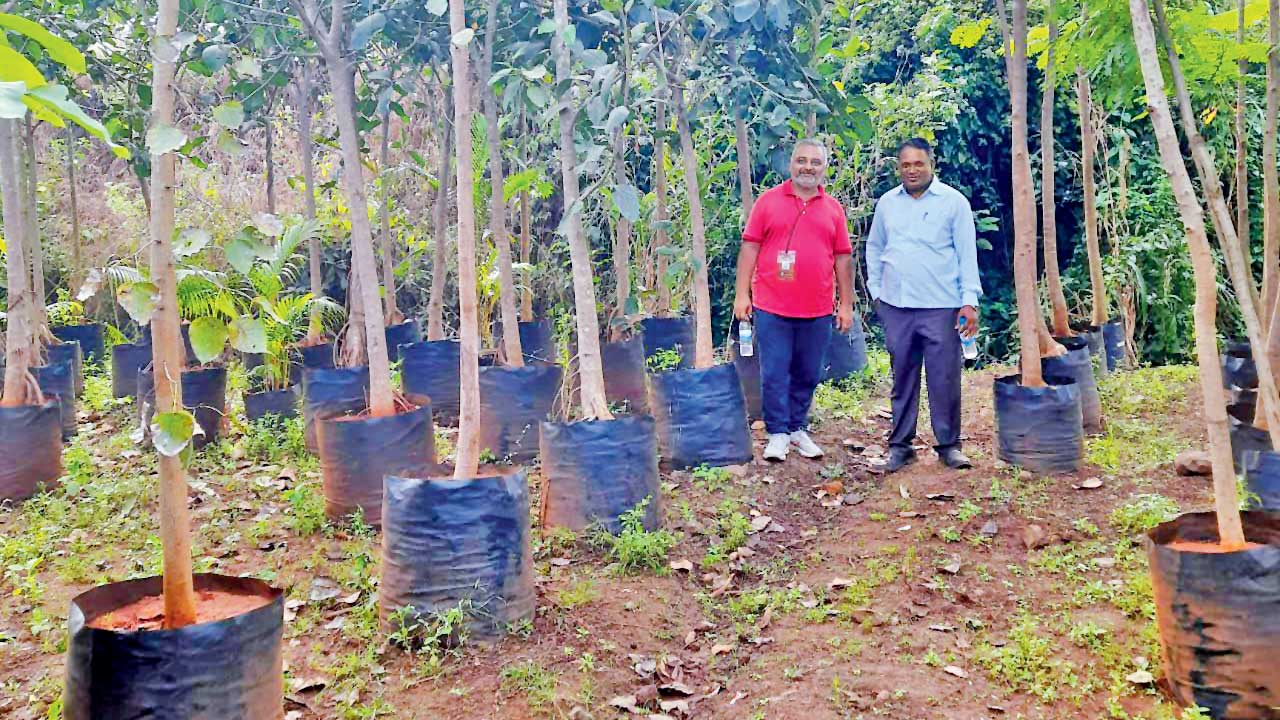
(969, 345)
(746, 345)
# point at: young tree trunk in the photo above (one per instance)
(392, 312)
(469, 314)
(315, 327)
(1241, 277)
(1088, 146)
(703, 356)
(1057, 301)
(526, 250)
(498, 199)
(595, 404)
(271, 165)
(1271, 200)
(440, 225)
(77, 247)
(352, 351)
(19, 346)
(168, 355)
(660, 206)
(1230, 530)
(35, 252)
(744, 162)
(1242, 151)
(622, 237)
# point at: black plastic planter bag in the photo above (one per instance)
(30, 449)
(537, 342)
(512, 403)
(318, 356)
(1238, 370)
(1092, 335)
(1242, 404)
(56, 381)
(625, 380)
(401, 334)
(1246, 437)
(846, 353)
(126, 360)
(282, 403)
(447, 541)
(748, 375)
(1078, 365)
(328, 392)
(701, 417)
(1219, 615)
(356, 452)
(578, 492)
(229, 669)
(1113, 341)
(1040, 429)
(204, 395)
(431, 369)
(676, 333)
(1262, 477)
(89, 336)
(69, 352)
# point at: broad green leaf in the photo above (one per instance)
(208, 338)
(191, 241)
(248, 335)
(241, 253)
(437, 7)
(269, 225)
(229, 115)
(57, 49)
(535, 73)
(594, 58)
(364, 30)
(11, 106)
(627, 199)
(779, 12)
(55, 98)
(463, 37)
(744, 10)
(546, 27)
(966, 35)
(617, 117)
(163, 139)
(214, 57)
(248, 67)
(538, 95)
(171, 432)
(15, 67)
(518, 183)
(230, 144)
(139, 299)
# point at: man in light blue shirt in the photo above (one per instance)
(922, 271)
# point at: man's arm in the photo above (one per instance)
(844, 292)
(747, 255)
(876, 240)
(965, 236)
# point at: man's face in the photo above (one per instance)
(915, 168)
(807, 167)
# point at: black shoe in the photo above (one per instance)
(953, 458)
(899, 458)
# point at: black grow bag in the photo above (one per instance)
(846, 353)
(356, 452)
(1238, 369)
(431, 369)
(512, 403)
(1077, 364)
(447, 541)
(748, 375)
(282, 403)
(701, 417)
(1219, 615)
(1040, 429)
(231, 668)
(1244, 438)
(126, 360)
(596, 470)
(1262, 477)
(318, 356)
(328, 392)
(204, 395)
(1114, 343)
(537, 342)
(1242, 404)
(625, 380)
(56, 381)
(401, 334)
(69, 353)
(30, 449)
(89, 336)
(1092, 335)
(674, 333)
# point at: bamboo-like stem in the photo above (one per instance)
(391, 313)
(498, 199)
(316, 277)
(660, 236)
(440, 227)
(1089, 146)
(1048, 204)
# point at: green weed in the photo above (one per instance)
(663, 360)
(581, 592)
(536, 682)
(636, 550)
(711, 479)
(306, 506)
(1143, 513)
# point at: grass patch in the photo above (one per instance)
(536, 683)
(1146, 391)
(1133, 446)
(847, 399)
(1143, 513)
(636, 550)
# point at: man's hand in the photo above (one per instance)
(970, 315)
(844, 318)
(742, 307)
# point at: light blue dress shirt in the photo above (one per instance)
(922, 252)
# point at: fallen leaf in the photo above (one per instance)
(953, 670)
(1034, 537)
(1140, 677)
(951, 568)
(942, 628)
(691, 638)
(990, 529)
(775, 527)
(644, 666)
(721, 649)
(351, 599)
(625, 702)
(760, 523)
(941, 497)
(682, 565)
(1092, 483)
(904, 528)
(336, 624)
(676, 688)
(681, 706)
(308, 684)
(323, 589)
(559, 562)
(837, 583)
(835, 487)
(902, 490)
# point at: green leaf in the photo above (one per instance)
(15, 67)
(241, 253)
(171, 432)
(191, 241)
(627, 199)
(364, 30)
(208, 338)
(594, 58)
(163, 139)
(11, 107)
(55, 98)
(617, 117)
(437, 7)
(61, 51)
(229, 115)
(249, 67)
(518, 183)
(744, 10)
(139, 299)
(779, 12)
(966, 35)
(463, 37)
(214, 57)
(248, 335)
(535, 73)
(230, 144)
(546, 27)
(269, 225)
(538, 95)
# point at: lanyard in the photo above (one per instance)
(804, 207)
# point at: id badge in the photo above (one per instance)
(787, 265)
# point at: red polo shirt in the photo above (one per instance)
(821, 233)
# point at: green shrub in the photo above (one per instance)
(636, 550)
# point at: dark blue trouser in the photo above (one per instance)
(917, 337)
(792, 354)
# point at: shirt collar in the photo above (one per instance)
(789, 189)
(931, 190)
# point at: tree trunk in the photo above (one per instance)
(622, 238)
(440, 226)
(660, 207)
(1057, 301)
(498, 200)
(1242, 152)
(1230, 530)
(19, 346)
(469, 315)
(595, 404)
(1271, 200)
(77, 247)
(1088, 145)
(744, 163)
(1241, 277)
(315, 327)
(352, 351)
(271, 165)
(526, 249)
(342, 80)
(168, 355)
(35, 251)
(703, 356)
(392, 313)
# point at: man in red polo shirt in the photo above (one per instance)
(795, 255)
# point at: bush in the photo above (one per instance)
(636, 550)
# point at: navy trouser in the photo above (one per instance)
(928, 337)
(792, 355)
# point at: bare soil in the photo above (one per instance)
(148, 612)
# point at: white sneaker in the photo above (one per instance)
(805, 444)
(776, 449)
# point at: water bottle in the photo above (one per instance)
(746, 347)
(969, 345)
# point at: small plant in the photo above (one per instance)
(306, 506)
(664, 360)
(1143, 513)
(433, 636)
(536, 682)
(65, 310)
(711, 479)
(581, 592)
(732, 529)
(273, 439)
(967, 511)
(635, 549)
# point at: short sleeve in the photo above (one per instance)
(840, 244)
(755, 230)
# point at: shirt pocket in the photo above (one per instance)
(935, 230)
